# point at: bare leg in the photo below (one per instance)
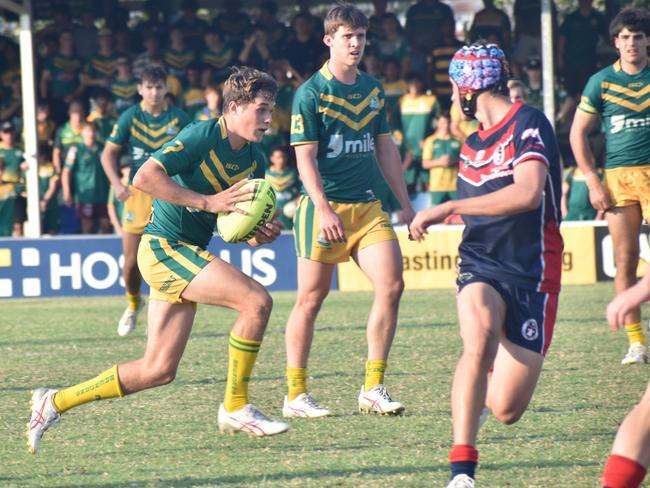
(131, 273)
(314, 281)
(633, 437)
(388, 285)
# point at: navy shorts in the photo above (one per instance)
(530, 315)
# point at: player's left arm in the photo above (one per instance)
(523, 195)
(389, 162)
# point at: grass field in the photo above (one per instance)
(168, 436)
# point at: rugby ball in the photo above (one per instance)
(260, 209)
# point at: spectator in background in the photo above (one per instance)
(85, 184)
(114, 206)
(13, 165)
(304, 51)
(376, 21)
(217, 54)
(100, 70)
(579, 36)
(394, 88)
(102, 115)
(178, 56)
(255, 52)
(69, 134)
(11, 103)
(60, 77)
(85, 35)
(213, 108)
(48, 189)
(192, 27)
(461, 128)
(152, 26)
(438, 65)
(417, 111)
(284, 180)
(528, 32)
(151, 55)
(533, 89)
(123, 42)
(276, 32)
(493, 25)
(372, 64)
(575, 196)
(7, 205)
(233, 23)
(393, 43)
(441, 155)
(304, 10)
(124, 87)
(45, 126)
(192, 98)
(61, 22)
(516, 91)
(423, 22)
(288, 80)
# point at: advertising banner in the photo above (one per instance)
(92, 265)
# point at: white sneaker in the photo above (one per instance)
(378, 400)
(635, 354)
(250, 420)
(44, 416)
(304, 405)
(461, 481)
(129, 319)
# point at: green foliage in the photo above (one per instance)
(168, 436)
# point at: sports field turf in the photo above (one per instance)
(168, 436)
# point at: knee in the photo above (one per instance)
(392, 289)
(162, 374)
(258, 304)
(481, 348)
(507, 414)
(311, 302)
(626, 262)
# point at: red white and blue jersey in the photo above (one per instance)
(524, 249)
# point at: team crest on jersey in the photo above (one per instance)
(172, 131)
(530, 330)
(463, 277)
(374, 103)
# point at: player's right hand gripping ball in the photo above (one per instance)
(236, 227)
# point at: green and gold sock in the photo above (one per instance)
(241, 359)
(134, 301)
(635, 333)
(375, 369)
(105, 385)
(296, 381)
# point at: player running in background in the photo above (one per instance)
(619, 95)
(193, 177)
(627, 465)
(509, 190)
(145, 127)
(339, 131)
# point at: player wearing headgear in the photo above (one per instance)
(509, 189)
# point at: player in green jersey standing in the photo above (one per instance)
(339, 131)
(145, 127)
(619, 95)
(198, 174)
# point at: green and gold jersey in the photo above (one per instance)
(200, 158)
(344, 121)
(218, 59)
(89, 182)
(287, 187)
(442, 179)
(66, 137)
(394, 91)
(103, 124)
(206, 114)
(65, 74)
(10, 160)
(146, 133)
(178, 61)
(125, 94)
(46, 173)
(623, 103)
(417, 112)
(101, 66)
(578, 201)
(193, 100)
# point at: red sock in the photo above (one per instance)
(463, 452)
(622, 472)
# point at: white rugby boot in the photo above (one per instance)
(44, 416)
(249, 420)
(305, 406)
(378, 400)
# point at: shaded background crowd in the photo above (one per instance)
(89, 60)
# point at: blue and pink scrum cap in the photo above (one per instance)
(478, 67)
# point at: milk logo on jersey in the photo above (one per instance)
(140, 153)
(621, 122)
(530, 330)
(338, 145)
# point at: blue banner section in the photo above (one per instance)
(73, 266)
